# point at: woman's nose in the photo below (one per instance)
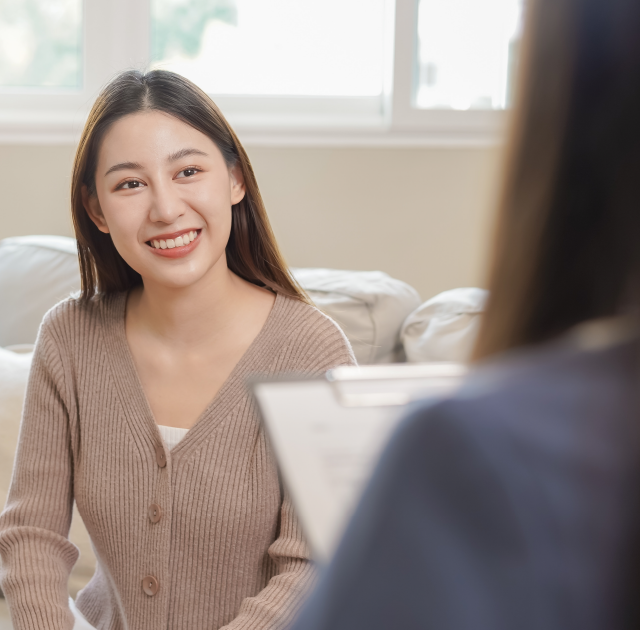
(166, 206)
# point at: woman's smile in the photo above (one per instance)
(176, 244)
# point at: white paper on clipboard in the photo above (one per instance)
(328, 433)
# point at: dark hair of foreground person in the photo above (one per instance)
(566, 248)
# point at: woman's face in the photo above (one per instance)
(164, 193)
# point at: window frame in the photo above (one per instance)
(111, 43)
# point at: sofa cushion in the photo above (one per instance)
(14, 371)
(35, 273)
(369, 306)
(445, 327)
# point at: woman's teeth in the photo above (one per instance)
(181, 241)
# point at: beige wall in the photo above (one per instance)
(421, 215)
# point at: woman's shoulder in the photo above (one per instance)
(556, 380)
(311, 339)
(71, 319)
(557, 398)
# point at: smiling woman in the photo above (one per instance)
(137, 407)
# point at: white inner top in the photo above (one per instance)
(171, 435)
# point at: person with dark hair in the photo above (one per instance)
(515, 503)
(137, 407)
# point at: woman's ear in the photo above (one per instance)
(93, 209)
(236, 180)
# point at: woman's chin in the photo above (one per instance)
(181, 273)
(172, 284)
(177, 279)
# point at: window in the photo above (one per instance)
(41, 44)
(467, 53)
(275, 47)
(283, 71)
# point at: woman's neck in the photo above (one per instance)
(191, 315)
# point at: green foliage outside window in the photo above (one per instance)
(178, 25)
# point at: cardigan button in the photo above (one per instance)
(150, 585)
(161, 458)
(155, 513)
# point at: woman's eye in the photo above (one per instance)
(188, 172)
(130, 184)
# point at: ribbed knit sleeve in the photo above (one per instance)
(276, 605)
(37, 556)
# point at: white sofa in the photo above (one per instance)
(381, 316)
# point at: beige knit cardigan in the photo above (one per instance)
(227, 549)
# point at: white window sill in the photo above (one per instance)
(435, 129)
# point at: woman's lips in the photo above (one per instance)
(177, 252)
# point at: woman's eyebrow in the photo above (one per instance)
(172, 158)
(183, 153)
(123, 166)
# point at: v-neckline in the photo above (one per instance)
(225, 398)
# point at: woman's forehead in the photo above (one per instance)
(152, 135)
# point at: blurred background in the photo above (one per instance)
(374, 126)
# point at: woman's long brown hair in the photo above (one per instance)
(567, 244)
(252, 251)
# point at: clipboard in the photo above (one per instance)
(328, 433)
